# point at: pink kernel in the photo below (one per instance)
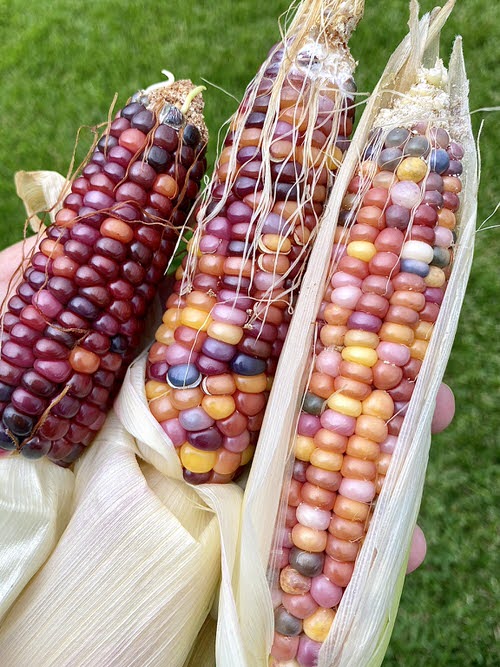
(344, 279)
(178, 354)
(308, 652)
(237, 443)
(443, 236)
(394, 353)
(346, 297)
(300, 606)
(325, 593)
(357, 489)
(229, 315)
(313, 517)
(47, 304)
(285, 538)
(337, 422)
(389, 444)
(405, 193)
(308, 425)
(175, 432)
(328, 361)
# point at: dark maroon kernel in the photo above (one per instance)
(75, 453)
(10, 374)
(55, 371)
(166, 137)
(131, 109)
(97, 424)
(154, 274)
(118, 126)
(65, 337)
(90, 169)
(120, 289)
(143, 120)
(197, 170)
(190, 135)
(57, 234)
(131, 192)
(111, 362)
(80, 385)
(106, 324)
(6, 442)
(158, 157)
(80, 185)
(105, 266)
(86, 276)
(85, 233)
(451, 201)
(98, 295)
(121, 310)
(9, 321)
(28, 403)
(133, 272)
(35, 448)
(433, 198)
(162, 204)
(210, 439)
(120, 155)
(139, 305)
(196, 477)
(187, 156)
(25, 292)
(106, 142)
(131, 327)
(87, 414)
(67, 407)
(146, 291)
(46, 348)
(98, 200)
(19, 355)
(98, 396)
(16, 305)
(177, 171)
(158, 371)
(72, 321)
(62, 288)
(140, 253)
(91, 216)
(111, 248)
(149, 235)
(37, 384)
(142, 174)
(127, 212)
(21, 333)
(5, 392)
(76, 433)
(96, 342)
(114, 171)
(73, 201)
(19, 424)
(119, 344)
(78, 251)
(83, 307)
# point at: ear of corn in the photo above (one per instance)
(388, 287)
(78, 314)
(210, 370)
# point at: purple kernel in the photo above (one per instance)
(19, 355)
(55, 371)
(28, 403)
(209, 439)
(218, 350)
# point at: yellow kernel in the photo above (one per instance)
(418, 349)
(321, 458)
(172, 317)
(379, 404)
(218, 407)
(334, 159)
(360, 355)
(318, 624)
(251, 384)
(344, 404)
(193, 246)
(195, 318)
(424, 330)
(309, 539)
(227, 333)
(411, 169)
(197, 460)
(361, 338)
(304, 447)
(247, 454)
(363, 250)
(372, 428)
(183, 399)
(435, 278)
(179, 272)
(275, 243)
(155, 389)
(165, 334)
(201, 300)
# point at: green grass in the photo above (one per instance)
(61, 63)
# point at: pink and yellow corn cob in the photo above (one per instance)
(78, 314)
(210, 370)
(390, 266)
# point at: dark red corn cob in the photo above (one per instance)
(77, 317)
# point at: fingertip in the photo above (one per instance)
(444, 410)
(418, 549)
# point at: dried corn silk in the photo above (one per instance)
(211, 367)
(401, 215)
(76, 318)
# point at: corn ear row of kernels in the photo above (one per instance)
(211, 367)
(78, 314)
(391, 262)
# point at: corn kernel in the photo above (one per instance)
(318, 624)
(412, 169)
(363, 250)
(360, 355)
(361, 338)
(197, 460)
(304, 447)
(227, 333)
(321, 458)
(379, 404)
(165, 334)
(247, 454)
(155, 389)
(195, 318)
(218, 407)
(435, 278)
(344, 404)
(172, 317)
(418, 349)
(396, 333)
(251, 384)
(424, 330)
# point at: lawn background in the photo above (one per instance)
(61, 63)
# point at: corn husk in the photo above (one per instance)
(362, 627)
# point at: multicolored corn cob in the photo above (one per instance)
(210, 370)
(78, 314)
(390, 266)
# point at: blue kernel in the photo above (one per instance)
(439, 160)
(414, 266)
(183, 376)
(6, 443)
(243, 364)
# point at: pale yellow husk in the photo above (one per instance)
(364, 621)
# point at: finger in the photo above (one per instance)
(418, 550)
(10, 260)
(444, 410)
